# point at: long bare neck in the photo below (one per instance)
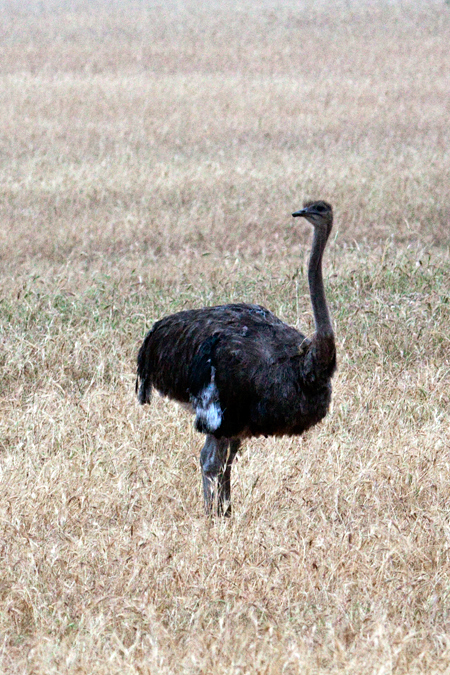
(319, 304)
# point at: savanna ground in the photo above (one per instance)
(150, 159)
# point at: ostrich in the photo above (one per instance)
(243, 371)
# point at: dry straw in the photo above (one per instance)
(150, 160)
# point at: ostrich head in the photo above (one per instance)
(319, 214)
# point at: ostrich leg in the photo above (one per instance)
(216, 459)
(224, 493)
(213, 457)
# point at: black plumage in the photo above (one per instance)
(244, 371)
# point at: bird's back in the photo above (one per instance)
(254, 359)
(244, 330)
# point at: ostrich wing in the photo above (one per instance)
(253, 359)
(167, 353)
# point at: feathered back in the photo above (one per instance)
(264, 371)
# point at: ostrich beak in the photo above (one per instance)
(302, 212)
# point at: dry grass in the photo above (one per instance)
(150, 160)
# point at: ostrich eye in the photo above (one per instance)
(320, 208)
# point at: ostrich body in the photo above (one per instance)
(243, 371)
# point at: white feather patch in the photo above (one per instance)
(207, 406)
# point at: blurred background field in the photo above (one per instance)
(150, 157)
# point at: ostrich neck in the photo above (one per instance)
(319, 304)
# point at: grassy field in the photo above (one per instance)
(150, 157)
